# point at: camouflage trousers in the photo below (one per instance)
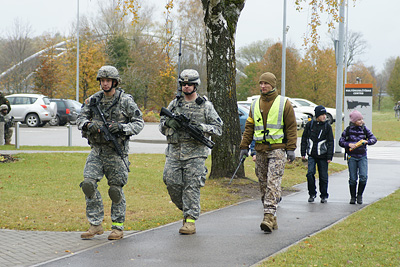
(183, 179)
(99, 163)
(270, 166)
(8, 131)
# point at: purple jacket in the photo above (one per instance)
(355, 134)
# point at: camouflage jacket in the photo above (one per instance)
(119, 108)
(201, 112)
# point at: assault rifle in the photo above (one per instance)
(104, 129)
(184, 122)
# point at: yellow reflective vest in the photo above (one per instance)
(273, 131)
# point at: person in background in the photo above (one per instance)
(318, 143)
(355, 139)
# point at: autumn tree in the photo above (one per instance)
(18, 47)
(393, 87)
(91, 57)
(47, 77)
(317, 77)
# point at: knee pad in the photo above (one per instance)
(115, 193)
(88, 188)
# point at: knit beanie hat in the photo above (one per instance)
(268, 77)
(355, 115)
(319, 110)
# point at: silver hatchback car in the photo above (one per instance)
(33, 109)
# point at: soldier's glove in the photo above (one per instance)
(172, 123)
(93, 127)
(290, 155)
(115, 127)
(243, 153)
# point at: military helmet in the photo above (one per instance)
(189, 76)
(108, 72)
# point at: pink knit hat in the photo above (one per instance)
(355, 115)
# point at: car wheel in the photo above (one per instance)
(55, 121)
(32, 120)
(329, 118)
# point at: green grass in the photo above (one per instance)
(47, 148)
(369, 237)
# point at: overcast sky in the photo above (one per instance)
(378, 21)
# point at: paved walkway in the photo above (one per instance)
(226, 237)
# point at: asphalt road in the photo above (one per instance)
(149, 140)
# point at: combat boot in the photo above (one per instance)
(188, 227)
(275, 226)
(268, 223)
(116, 234)
(93, 230)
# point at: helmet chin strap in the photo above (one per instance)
(114, 85)
(194, 90)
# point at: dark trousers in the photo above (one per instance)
(323, 176)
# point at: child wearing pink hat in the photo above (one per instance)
(355, 139)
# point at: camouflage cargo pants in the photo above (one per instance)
(270, 166)
(108, 163)
(183, 179)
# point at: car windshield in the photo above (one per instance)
(305, 103)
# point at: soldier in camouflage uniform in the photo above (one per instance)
(8, 123)
(185, 170)
(123, 120)
(272, 124)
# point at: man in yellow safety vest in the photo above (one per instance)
(272, 124)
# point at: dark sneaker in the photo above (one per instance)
(311, 199)
(323, 200)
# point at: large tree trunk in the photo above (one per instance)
(221, 17)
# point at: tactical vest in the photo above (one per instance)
(195, 111)
(273, 132)
(113, 111)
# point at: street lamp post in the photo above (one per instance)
(77, 53)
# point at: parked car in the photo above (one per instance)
(243, 115)
(307, 107)
(78, 107)
(301, 118)
(66, 112)
(33, 109)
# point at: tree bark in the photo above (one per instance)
(221, 17)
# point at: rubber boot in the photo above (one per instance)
(361, 187)
(268, 223)
(188, 227)
(353, 193)
(116, 234)
(93, 230)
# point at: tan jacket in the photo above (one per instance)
(290, 126)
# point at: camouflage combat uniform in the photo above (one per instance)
(270, 159)
(103, 158)
(185, 171)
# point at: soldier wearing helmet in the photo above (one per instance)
(185, 170)
(123, 120)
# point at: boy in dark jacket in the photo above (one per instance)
(317, 142)
(355, 139)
